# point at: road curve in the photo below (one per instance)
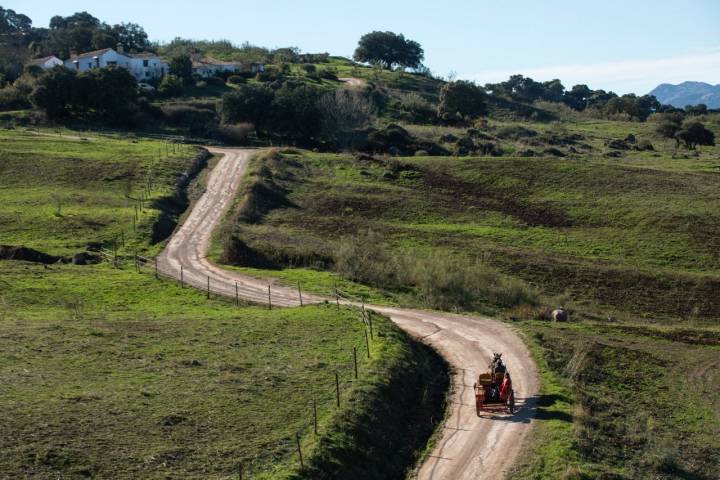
(469, 447)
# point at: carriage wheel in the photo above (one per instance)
(478, 399)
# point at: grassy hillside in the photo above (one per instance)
(96, 359)
(627, 241)
(64, 189)
(643, 403)
(634, 234)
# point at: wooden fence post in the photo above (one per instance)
(297, 439)
(133, 221)
(337, 297)
(370, 324)
(315, 416)
(367, 343)
(269, 299)
(355, 361)
(182, 280)
(137, 263)
(337, 389)
(156, 270)
(208, 287)
(237, 298)
(300, 294)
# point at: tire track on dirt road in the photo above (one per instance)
(468, 447)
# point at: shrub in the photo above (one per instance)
(460, 100)
(418, 107)
(309, 68)
(329, 73)
(515, 132)
(270, 74)
(215, 81)
(237, 134)
(171, 86)
(188, 115)
(236, 79)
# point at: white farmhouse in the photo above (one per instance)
(46, 63)
(209, 67)
(143, 66)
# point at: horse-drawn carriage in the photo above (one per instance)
(493, 390)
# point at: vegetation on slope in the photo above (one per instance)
(645, 403)
(588, 229)
(180, 385)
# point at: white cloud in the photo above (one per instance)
(638, 76)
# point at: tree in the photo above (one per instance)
(131, 35)
(461, 99)
(389, 50)
(181, 67)
(13, 24)
(15, 29)
(247, 103)
(699, 109)
(694, 134)
(170, 86)
(577, 97)
(343, 114)
(54, 92)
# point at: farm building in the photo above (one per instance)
(46, 63)
(210, 67)
(143, 66)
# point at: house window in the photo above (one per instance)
(145, 63)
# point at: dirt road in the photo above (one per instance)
(469, 447)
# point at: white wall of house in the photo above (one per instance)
(145, 68)
(51, 62)
(110, 57)
(212, 69)
(142, 67)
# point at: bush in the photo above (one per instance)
(515, 132)
(440, 282)
(461, 100)
(236, 79)
(270, 74)
(171, 86)
(215, 81)
(419, 109)
(329, 73)
(236, 134)
(188, 115)
(309, 68)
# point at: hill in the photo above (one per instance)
(688, 93)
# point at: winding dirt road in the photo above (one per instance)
(469, 447)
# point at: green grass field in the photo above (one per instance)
(607, 234)
(64, 189)
(628, 243)
(109, 373)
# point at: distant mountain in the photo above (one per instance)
(688, 93)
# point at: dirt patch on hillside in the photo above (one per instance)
(478, 195)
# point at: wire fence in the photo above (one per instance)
(331, 394)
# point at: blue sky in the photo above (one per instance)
(625, 46)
